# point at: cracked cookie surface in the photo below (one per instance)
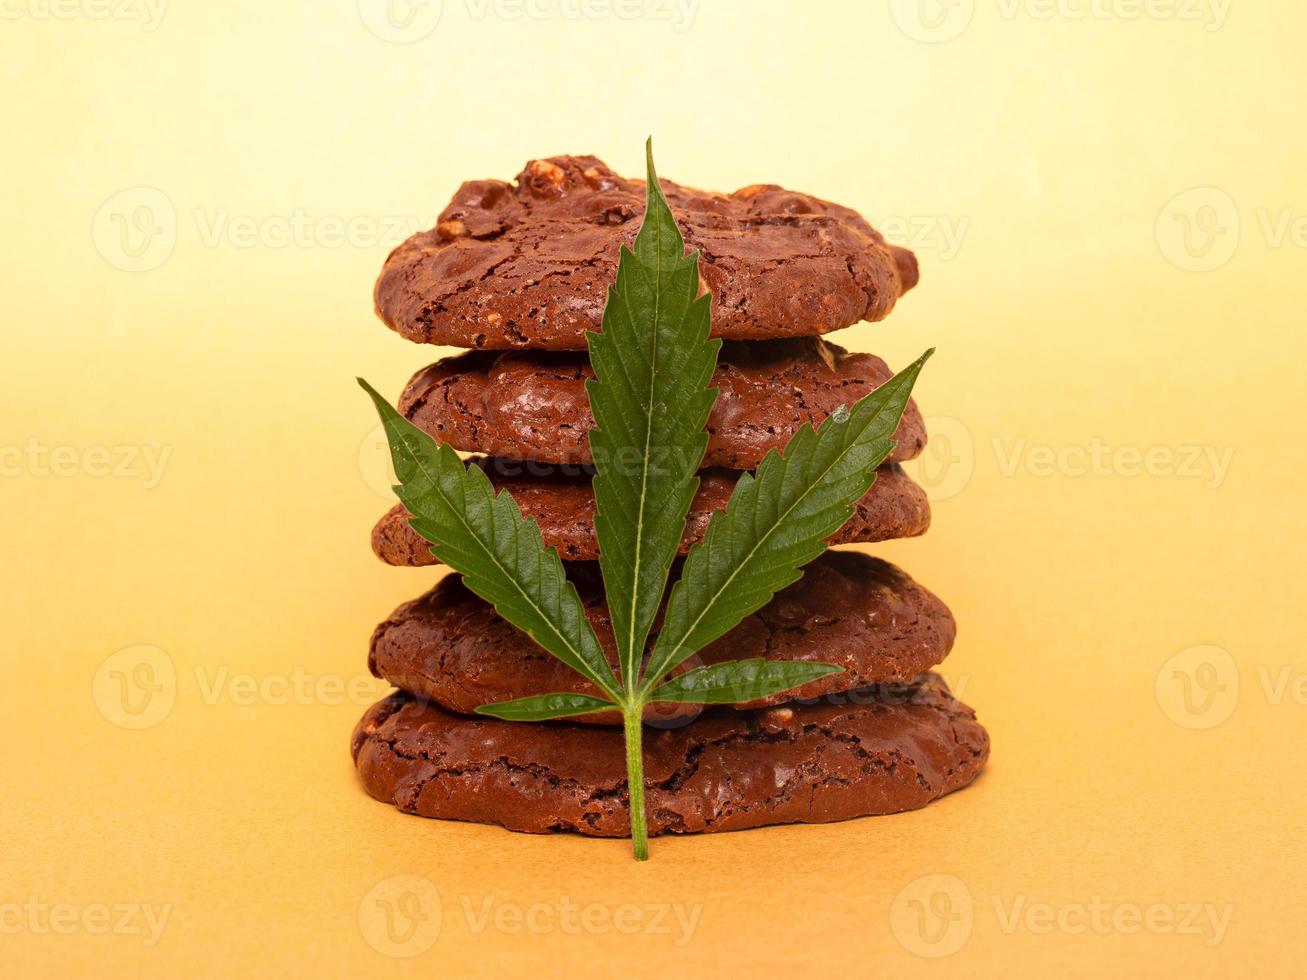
(562, 502)
(533, 404)
(849, 609)
(528, 264)
(892, 748)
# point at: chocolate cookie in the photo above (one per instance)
(528, 264)
(533, 404)
(848, 609)
(898, 749)
(563, 504)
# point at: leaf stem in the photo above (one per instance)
(632, 720)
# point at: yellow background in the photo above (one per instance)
(1034, 162)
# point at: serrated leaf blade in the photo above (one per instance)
(650, 400)
(737, 681)
(543, 707)
(485, 538)
(778, 520)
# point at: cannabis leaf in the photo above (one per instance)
(650, 399)
(778, 520)
(485, 538)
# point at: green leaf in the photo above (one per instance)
(542, 707)
(653, 362)
(740, 680)
(486, 539)
(651, 400)
(778, 520)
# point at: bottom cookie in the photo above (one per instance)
(881, 750)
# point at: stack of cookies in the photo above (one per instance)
(518, 273)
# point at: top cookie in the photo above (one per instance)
(527, 265)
